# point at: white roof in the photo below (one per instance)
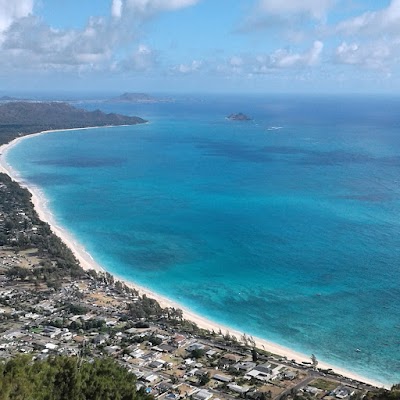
(151, 378)
(202, 395)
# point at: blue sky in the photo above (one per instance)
(311, 46)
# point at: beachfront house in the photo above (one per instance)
(343, 392)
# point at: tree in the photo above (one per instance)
(154, 340)
(63, 378)
(204, 379)
(3, 239)
(197, 353)
(254, 354)
(314, 361)
(244, 339)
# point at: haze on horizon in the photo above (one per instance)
(260, 46)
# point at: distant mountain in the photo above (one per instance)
(21, 118)
(8, 98)
(239, 117)
(129, 97)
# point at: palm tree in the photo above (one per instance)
(314, 361)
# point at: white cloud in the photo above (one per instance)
(236, 61)
(13, 10)
(194, 66)
(295, 20)
(285, 59)
(280, 59)
(143, 59)
(386, 20)
(375, 40)
(371, 55)
(116, 8)
(123, 8)
(317, 9)
(28, 40)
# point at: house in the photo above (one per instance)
(66, 336)
(195, 346)
(171, 396)
(164, 387)
(138, 353)
(312, 390)
(157, 364)
(211, 353)
(202, 394)
(178, 340)
(136, 372)
(51, 346)
(192, 372)
(100, 339)
(112, 350)
(79, 339)
(262, 372)
(289, 375)
(244, 366)
(238, 389)
(51, 331)
(343, 392)
(229, 359)
(165, 348)
(151, 378)
(134, 331)
(222, 378)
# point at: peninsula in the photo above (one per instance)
(22, 118)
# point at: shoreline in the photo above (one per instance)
(87, 262)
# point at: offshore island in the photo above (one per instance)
(57, 306)
(239, 117)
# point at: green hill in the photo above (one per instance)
(21, 118)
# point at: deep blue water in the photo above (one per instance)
(291, 234)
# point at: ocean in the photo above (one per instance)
(285, 227)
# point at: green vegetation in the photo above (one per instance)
(204, 379)
(145, 308)
(382, 394)
(21, 229)
(22, 118)
(323, 384)
(66, 378)
(76, 309)
(197, 353)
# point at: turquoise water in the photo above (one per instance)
(289, 234)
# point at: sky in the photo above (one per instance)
(217, 46)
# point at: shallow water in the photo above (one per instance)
(290, 234)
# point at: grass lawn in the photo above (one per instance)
(323, 384)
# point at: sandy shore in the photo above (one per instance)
(87, 262)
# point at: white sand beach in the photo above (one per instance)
(87, 262)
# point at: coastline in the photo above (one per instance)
(87, 262)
